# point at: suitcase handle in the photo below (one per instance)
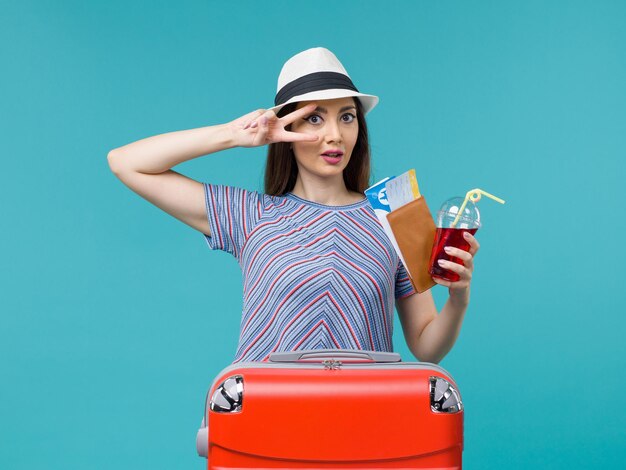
(342, 355)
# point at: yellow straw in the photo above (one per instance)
(474, 195)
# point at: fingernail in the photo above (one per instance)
(446, 249)
(263, 120)
(442, 262)
(466, 234)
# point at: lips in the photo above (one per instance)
(333, 153)
(332, 156)
(331, 160)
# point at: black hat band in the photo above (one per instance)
(314, 82)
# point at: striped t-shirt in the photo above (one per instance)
(314, 276)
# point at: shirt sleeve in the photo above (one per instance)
(232, 214)
(404, 288)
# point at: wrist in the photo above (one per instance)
(222, 137)
(459, 298)
(228, 136)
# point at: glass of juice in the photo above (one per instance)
(449, 234)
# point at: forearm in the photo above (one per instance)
(159, 153)
(438, 337)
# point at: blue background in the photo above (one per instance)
(115, 317)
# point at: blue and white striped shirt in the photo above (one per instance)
(314, 276)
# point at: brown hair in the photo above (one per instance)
(281, 169)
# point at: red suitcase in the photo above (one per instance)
(333, 409)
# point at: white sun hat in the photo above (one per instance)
(316, 74)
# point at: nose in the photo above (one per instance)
(333, 131)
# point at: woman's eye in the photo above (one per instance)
(313, 119)
(350, 117)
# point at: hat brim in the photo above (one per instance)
(368, 101)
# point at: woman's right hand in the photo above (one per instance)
(262, 127)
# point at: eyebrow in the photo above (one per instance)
(319, 109)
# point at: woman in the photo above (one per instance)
(318, 269)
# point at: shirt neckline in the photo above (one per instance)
(354, 205)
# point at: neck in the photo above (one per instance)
(327, 191)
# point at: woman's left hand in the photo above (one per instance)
(461, 286)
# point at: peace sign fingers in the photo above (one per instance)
(287, 136)
(263, 127)
(297, 114)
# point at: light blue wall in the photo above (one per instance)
(115, 317)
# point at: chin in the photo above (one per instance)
(332, 170)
